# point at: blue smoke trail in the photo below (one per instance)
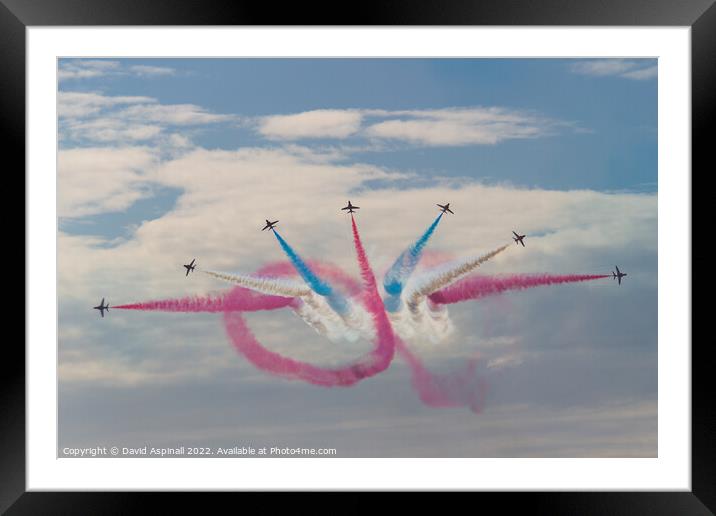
(404, 266)
(334, 299)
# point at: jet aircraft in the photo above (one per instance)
(269, 224)
(102, 307)
(445, 208)
(189, 267)
(350, 208)
(618, 275)
(518, 238)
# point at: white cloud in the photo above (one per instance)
(76, 69)
(151, 70)
(433, 127)
(179, 141)
(86, 69)
(469, 126)
(172, 114)
(146, 118)
(112, 130)
(99, 180)
(93, 117)
(73, 104)
(642, 73)
(629, 69)
(602, 67)
(321, 123)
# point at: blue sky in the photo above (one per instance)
(162, 160)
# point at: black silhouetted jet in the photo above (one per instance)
(269, 225)
(518, 238)
(445, 208)
(618, 275)
(102, 307)
(189, 267)
(350, 207)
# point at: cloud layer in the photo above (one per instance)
(223, 191)
(625, 68)
(78, 69)
(90, 117)
(430, 127)
(100, 180)
(537, 374)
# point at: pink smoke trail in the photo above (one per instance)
(246, 343)
(374, 304)
(451, 390)
(442, 277)
(371, 364)
(478, 286)
(246, 300)
(237, 299)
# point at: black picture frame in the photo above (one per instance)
(700, 15)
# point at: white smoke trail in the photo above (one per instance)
(313, 309)
(418, 318)
(423, 323)
(443, 276)
(271, 286)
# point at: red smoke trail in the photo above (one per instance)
(459, 389)
(237, 299)
(247, 344)
(242, 299)
(453, 390)
(435, 391)
(371, 364)
(479, 286)
(450, 390)
(374, 304)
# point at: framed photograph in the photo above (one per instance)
(440, 249)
